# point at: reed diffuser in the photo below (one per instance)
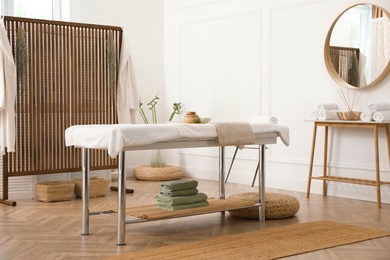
(349, 101)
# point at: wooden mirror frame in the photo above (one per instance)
(328, 62)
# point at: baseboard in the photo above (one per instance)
(336, 189)
(129, 173)
(20, 195)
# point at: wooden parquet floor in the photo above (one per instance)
(36, 230)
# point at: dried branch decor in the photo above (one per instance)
(349, 100)
(111, 58)
(21, 55)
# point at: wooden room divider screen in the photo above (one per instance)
(66, 75)
(346, 63)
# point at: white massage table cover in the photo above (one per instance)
(115, 138)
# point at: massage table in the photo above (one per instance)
(119, 138)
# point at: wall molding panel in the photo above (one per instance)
(221, 17)
(216, 32)
(274, 7)
(187, 4)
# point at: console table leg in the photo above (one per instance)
(313, 145)
(325, 166)
(378, 180)
(388, 140)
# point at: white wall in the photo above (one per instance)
(143, 22)
(233, 59)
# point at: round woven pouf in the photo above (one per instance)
(277, 205)
(149, 173)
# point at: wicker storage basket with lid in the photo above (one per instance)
(98, 187)
(52, 191)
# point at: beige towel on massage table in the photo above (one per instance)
(234, 133)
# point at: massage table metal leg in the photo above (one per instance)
(221, 172)
(262, 183)
(85, 192)
(231, 164)
(121, 225)
(257, 170)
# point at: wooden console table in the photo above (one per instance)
(348, 124)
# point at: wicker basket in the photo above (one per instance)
(98, 187)
(167, 173)
(277, 205)
(55, 191)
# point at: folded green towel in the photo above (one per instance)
(185, 206)
(166, 191)
(180, 184)
(180, 200)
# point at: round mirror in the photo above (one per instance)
(357, 47)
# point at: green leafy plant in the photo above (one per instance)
(176, 110)
(152, 107)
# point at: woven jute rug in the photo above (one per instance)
(264, 244)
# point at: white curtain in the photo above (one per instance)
(380, 45)
(364, 48)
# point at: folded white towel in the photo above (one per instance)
(328, 106)
(328, 115)
(263, 119)
(366, 116)
(381, 116)
(379, 107)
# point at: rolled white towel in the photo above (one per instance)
(314, 115)
(366, 116)
(381, 116)
(379, 107)
(327, 115)
(327, 106)
(263, 119)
